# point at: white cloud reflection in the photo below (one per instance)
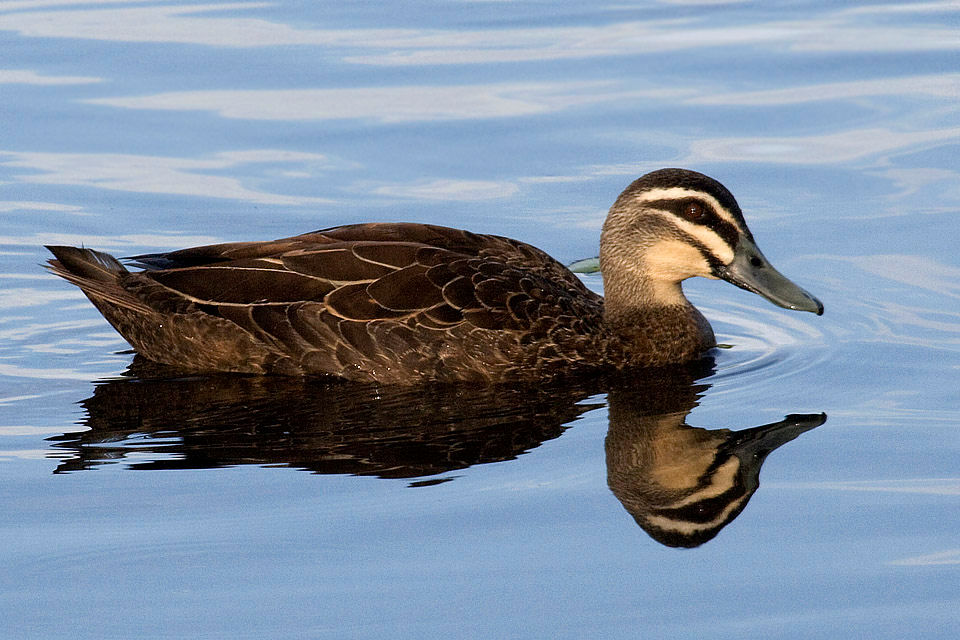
(191, 24)
(924, 486)
(117, 242)
(386, 104)
(27, 205)
(950, 556)
(24, 454)
(21, 5)
(701, 2)
(825, 34)
(943, 6)
(450, 190)
(832, 30)
(840, 147)
(27, 430)
(158, 174)
(945, 85)
(32, 330)
(19, 297)
(26, 76)
(504, 100)
(917, 272)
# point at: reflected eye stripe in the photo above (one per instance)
(710, 507)
(689, 525)
(705, 510)
(701, 514)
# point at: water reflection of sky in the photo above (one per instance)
(694, 70)
(139, 126)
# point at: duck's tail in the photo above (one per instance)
(97, 274)
(74, 263)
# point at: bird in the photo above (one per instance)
(402, 303)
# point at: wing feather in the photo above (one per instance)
(230, 284)
(376, 298)
(407, 289)
(336, 263)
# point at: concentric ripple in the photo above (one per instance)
(760, 343)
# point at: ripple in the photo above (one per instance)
(764, 343)
(52, 373)
(17, 430)
(900, 300)
(34, 329)
(29, 297)
(950, 556)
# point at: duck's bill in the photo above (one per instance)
(750, 270)
(757, 442)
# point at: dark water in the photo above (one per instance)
(134, 503)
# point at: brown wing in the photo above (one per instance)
(375, 297)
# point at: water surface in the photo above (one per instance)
(138, 505)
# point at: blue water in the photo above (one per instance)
(177, 511)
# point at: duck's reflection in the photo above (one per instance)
(155, 421)
(684, 484)
(681, 484)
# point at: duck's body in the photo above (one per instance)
(398, 303)
(375, 302)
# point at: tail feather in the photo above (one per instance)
(86, 264)
(97, 274)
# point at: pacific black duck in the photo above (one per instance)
(401, 302)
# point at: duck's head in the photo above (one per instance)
(673, 224)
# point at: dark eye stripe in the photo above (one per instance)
(714, 262)
(711, 220)
(728, 232)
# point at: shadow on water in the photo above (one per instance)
(682, 484)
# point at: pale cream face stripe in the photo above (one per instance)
(679, 193)
(705, 236)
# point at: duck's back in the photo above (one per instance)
(381, 302)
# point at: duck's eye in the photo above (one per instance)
(693, 211)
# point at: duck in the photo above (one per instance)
(401, 303)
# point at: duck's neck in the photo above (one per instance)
(652, 318)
